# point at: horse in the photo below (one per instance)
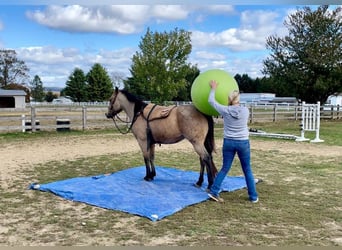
(153, 124)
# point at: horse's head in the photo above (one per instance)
(114, 104)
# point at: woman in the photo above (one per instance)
(236, 140)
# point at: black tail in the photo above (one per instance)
(209, 142)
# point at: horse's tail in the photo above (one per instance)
(209, 142)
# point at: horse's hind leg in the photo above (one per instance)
(209, 166)
(153, 170)
(205, 160)
(201, 176)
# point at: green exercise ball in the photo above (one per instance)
(200, 90)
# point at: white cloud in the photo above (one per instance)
(210, 49)
(121, 19)
(54, 65)
(49, 55)
(206, 55)
(233, 64)
(169, 12)
(220, 9)
(109, 19)
(255, 27)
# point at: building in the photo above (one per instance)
(12, 98)
(256, 97)
(335, 100)
(292, 100)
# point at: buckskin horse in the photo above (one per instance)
(153, 124)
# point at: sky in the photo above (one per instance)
(55, 39)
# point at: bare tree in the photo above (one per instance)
(117, 79)
(12, 70)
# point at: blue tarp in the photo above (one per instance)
(127, 191)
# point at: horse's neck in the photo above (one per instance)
(128, 107)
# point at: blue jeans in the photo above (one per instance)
(229, 149)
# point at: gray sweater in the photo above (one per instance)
(235, 119)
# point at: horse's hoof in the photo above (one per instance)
(148, 178)
(196, 185)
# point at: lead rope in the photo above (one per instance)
(130, 127)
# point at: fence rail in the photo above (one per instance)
(93, 117)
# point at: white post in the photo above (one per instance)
(303, 123)
(318, 119)
(23, 123)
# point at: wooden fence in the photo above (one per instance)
(63, 118)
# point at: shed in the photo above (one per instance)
(12, 98)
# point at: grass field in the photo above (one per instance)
(300, 200)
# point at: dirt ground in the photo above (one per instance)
(15, 156)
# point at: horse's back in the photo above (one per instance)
(183, 121)
(189, 112)
(192, 122)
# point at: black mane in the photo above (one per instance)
(139, 104)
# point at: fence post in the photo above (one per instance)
(33, 119)
(84, 117)
(302, 124)
(23, 123)
(296, 112)
(251, 114)
(318, 122)
(338, 112)
(274, 112)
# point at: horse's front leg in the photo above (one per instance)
(148, 176)
(149, 158)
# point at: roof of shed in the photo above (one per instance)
(10, 92)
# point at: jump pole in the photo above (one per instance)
(310, 121)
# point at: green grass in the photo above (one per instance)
(330, 130)
(300, 202)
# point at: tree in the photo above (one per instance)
(184, 93)
(37, 89)
(247, 84)
(100, 87)
(159, 69)
(50, 96)
(12, 70)
(307, 63)
(76, 86)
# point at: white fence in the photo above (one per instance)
(311, 119)
(58, 118)
(78, 117)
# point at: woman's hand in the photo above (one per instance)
(213, 84)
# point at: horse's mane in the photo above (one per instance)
(139, 104)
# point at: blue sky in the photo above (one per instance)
(55, 39)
